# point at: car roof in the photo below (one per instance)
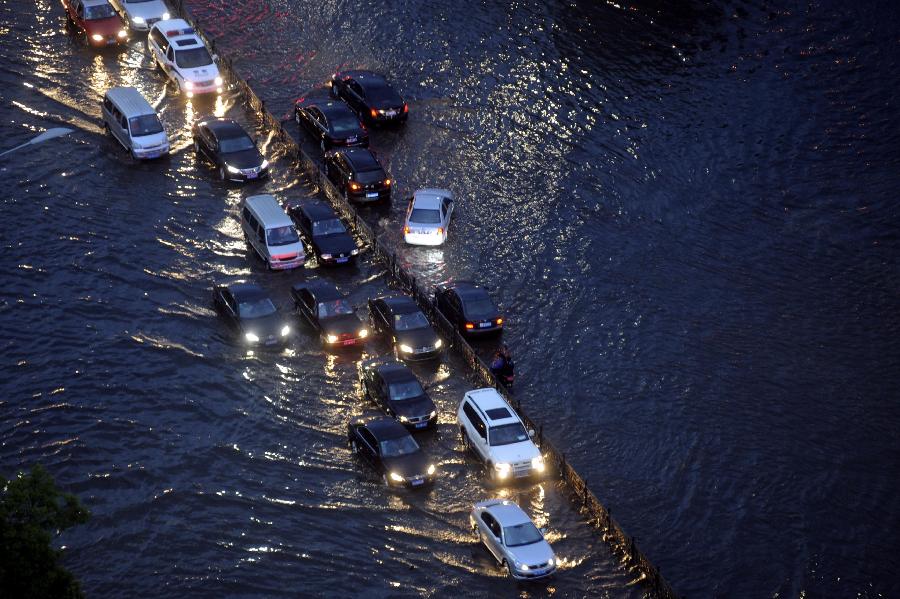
(316, 210)
(322, 291)
(467, 290)
(393, 372)
(268, 210)
(386, 428)
(361, 159)
(334, 108)
(430, 197)
(243, 291)
(176, 28)
(224, 128)
(488, 399)
(400, 304)
(130, 101)
(363, 75)
(508, 514)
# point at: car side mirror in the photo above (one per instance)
(531, 432)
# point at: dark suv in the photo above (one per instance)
(469, 308)
(358, 175)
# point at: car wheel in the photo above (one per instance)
(222, 173)
(506, 565)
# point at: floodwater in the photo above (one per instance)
(687, 213)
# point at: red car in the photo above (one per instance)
(97, 21)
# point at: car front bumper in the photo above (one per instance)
(150, 153)
(246, 175)
(532, 574)
(415, 356)
(287, 264)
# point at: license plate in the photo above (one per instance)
(252, 175)
(153, 155)
(372, 194)
(271, 341)
(416, 483)
(421, 424)
(484, 325)
(423, 350)
(391, 113)
(351, 140)
(341, 260)
(349, 342)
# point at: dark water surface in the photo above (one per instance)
(689, 214)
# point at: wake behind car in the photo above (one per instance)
(513, 539)
(397, 392)
(331, 123)
(495, 433)
(97, 21)
(225, 143)
(248, 310)
(141, 14)
(400, 319)
(370, 96)
(358, 175)
(428, 217)
(180, 53)
(469, 308)
(324, 231)
(391, 451)
(327, 310)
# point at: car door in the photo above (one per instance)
(170, 67)
(491, 535)
(369, 450)
(380, 317)
(454, 306)
(229, 307)
(446, 211)
(305, 305)
(356, 95)
(322, 126)
(382, 394)
(79, 17)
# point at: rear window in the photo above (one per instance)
(426, 216)
(382, 95)
(367, 177)
(476, 309)
(347, 124)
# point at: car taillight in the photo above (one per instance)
(405, 107)
(469, 325)
(406, 229)
(374, 113)
(387, 182)
(499, 321)
(354, 185)
(440, 230)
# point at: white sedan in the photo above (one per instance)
(513, 539)
(141, 14)
(428, 217)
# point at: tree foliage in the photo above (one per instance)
(32, 512)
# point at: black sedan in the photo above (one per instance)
(331, 123)
(397, 392)
(248, 310)
(326, 309)
(389, 448)
(400, 318)
(469, 308)
(358, 175)
(224, 143)
(324, 232)
(370, 95)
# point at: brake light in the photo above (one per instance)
(387, 182)
(440, 230)
(406, 229)
(354, 185)
(405, 107)
(499, 321)
(469, 325)
(374, 113)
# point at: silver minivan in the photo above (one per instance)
(129, 118)
(271, 233)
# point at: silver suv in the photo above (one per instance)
(513, 539)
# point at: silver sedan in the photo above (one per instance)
(513, 539)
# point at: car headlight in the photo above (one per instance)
(326, 256)
(438, 343)
(140, 20)
(331, 338)
(537, 463)
(433, 414)
(232, 169)
(551, 561)
(524, 567)
(363, 332)
(166, 16)
(406, 349)
(431, 469)
(218, 81)
(285, 330)
(354, 252)
(188, 85)
(404, 419)
(502, 469)
(396, 477)
(122, 33)
(97, 37)
(265, 164)
(251, 337)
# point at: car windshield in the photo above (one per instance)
(99, 11)
(333, 308)
(397, 447)
(480, 308)
(346, 124)
(235, 144)
(521, 534)
(146, 124)
(193, 58)
(426, 216)
(405, 390)
(256, 308)
(408, 322)
(327, 227)
(282, 235)
(367, 177)
(382, 95)
(508, 433)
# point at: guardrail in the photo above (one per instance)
(622, 545)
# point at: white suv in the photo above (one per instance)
(493, 430)
(179, 51)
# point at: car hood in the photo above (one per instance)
(533, 554)
(108, 26)
(244, 159)
(417, 338)
(204, 73)
(146, 10)
(263, 327)
(515, 452)
(339, 243)
(412, 464)
(342, 323)
(413, 407)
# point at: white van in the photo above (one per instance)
(271, 233)
(129, 118)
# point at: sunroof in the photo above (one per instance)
(498, 413)
(188, 42)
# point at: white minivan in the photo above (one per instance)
(271, 233)
(129, 118)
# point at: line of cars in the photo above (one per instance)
(489, 427)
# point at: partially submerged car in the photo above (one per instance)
(327, 310)
(397, 392)
(250, 311)
(513, 539)
(391, 451)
